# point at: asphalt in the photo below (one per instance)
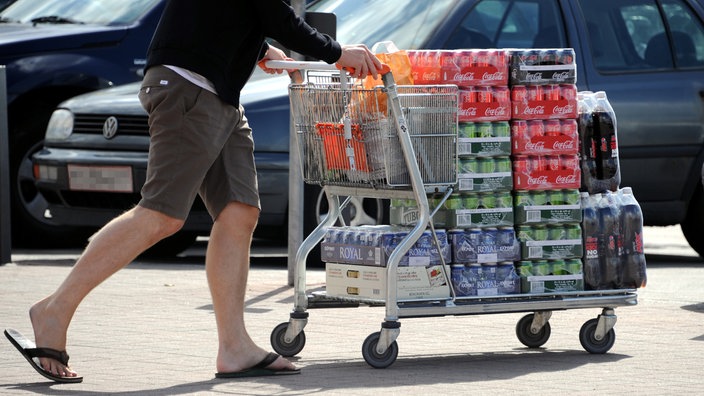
(150, 330)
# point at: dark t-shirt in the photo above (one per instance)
(222, 40)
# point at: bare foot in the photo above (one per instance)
(229, 362)
(49, 333)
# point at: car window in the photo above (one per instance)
(407, 23)
(101, 12)
(511, 24)
(639, 37)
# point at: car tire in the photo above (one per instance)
(362, 211)
(694, 221)
(30, 227)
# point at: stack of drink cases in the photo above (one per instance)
(537, 207)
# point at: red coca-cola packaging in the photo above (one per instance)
(464, 68)
(542, 66)
(541, 137)
(484, 104)
(546, 172)
(425, 67)
(544, 102)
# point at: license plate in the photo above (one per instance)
(100, 178)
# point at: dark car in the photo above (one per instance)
(648, 55)
(53, 50)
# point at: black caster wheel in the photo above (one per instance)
(590, 343)
(284, 348)
(527, 337)
(375, 359)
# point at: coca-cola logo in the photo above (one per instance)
(495, 112)
(566, 109)
(565, 145)
(534, 77)
(464, 77)
(497, 76)
(467, 112)
(566, 179)
(537, 110)
(537, 180)
(561, 76)
(431, 76)
(537, 146)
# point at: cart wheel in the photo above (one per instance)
(591, 344)
(527, 337)
(284, 348)
(373, 358)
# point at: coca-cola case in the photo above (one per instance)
(464, 68)
(540, 102)
(542, 66)
(484, 104)
(544, 137)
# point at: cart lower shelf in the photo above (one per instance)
(380, 349)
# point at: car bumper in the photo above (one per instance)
(89, 188)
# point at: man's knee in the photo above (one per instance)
(246, 216)
(164, 225)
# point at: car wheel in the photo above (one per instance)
(693, 222)
(360, 211)
(31, 228)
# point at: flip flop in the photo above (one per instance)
(260, 369)
(30, 352)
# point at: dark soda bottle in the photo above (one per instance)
(634, 268)
(607, 155)
(588, 139)
(590, 236)
(610, 240)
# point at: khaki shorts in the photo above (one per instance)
(199, 145)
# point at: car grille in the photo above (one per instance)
(127, 124)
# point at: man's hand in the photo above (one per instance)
(359, 60)
(273, 53)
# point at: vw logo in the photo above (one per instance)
(110, 128)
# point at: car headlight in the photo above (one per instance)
(60, 125)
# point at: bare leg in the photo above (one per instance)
(227, 267)
(112, 248)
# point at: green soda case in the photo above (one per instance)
(540, 198)
(541, 268)
(467, 130)
(556, 232)
(484, 130)
(504, 199)
(523, 198)
(525, 233)
(503, 164)
(468, 165)
(525, 268)
(558, 267)
(502, 129)
(571, 197)
(573, 231)
(454, 201)
(574, 266)
(486, 165)
(540, 233)
(487, 200)
(556, 197)
(470, 201)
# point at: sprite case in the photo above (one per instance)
(486, 139)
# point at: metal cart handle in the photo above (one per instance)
(308, 65)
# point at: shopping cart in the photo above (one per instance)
(400, 142)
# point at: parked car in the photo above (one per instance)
(632, 49)
(53, 50)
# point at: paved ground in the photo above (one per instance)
(150, 330)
